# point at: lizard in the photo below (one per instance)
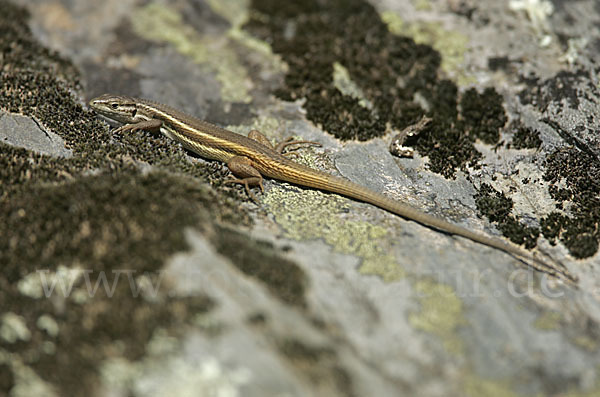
(253, 157)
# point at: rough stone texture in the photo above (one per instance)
(167, 282)
(20, 131)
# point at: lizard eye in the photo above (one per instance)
(114, 105)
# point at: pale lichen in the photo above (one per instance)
(450, 44)
(343, 82)
(548, 321)
(440, 315)
(475, 387)
(538, 12)
(162, 24)
(310, 214)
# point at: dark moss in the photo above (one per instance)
(574, 178)
(51, 102)
(526, 138)
(581, 238)
(519, 233)
(94, 211)
(258, 259)
(7, 379)
(20, 51)
(104, 223)
(572, 139)
(390, 70)
(297, 350)
(38, 83)
(552, 225)
(257, 319)
(498, 63)
(483, 114)
(497, 207)
(565, 85)
(320, 365)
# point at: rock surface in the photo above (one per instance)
(130, 269)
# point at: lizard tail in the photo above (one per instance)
(319, 180)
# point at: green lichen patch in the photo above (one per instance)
(321, 366)
(586, 342)
(393, 73)
(441, 314)
(574, 176)
(309, 214)
(475, 386)
(548, 321)
(497, 207)
(161, 24)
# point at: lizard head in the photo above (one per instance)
(115, 107)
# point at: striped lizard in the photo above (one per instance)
(251, 158)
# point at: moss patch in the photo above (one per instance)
(525, 138)
(95, 219)
(122, 227)
(451, 45)
(497, 207)
(36, 82)
(321, 366)
(391, 72)
(483, 114)
(564, 85)
(260, 260)
(575, 183)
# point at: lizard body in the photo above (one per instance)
(250, 158)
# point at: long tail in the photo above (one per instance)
(301, 175)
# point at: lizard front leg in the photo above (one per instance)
(152, 125)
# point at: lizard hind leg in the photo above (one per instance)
(245, 174)
(260, 137)
(290, 141)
